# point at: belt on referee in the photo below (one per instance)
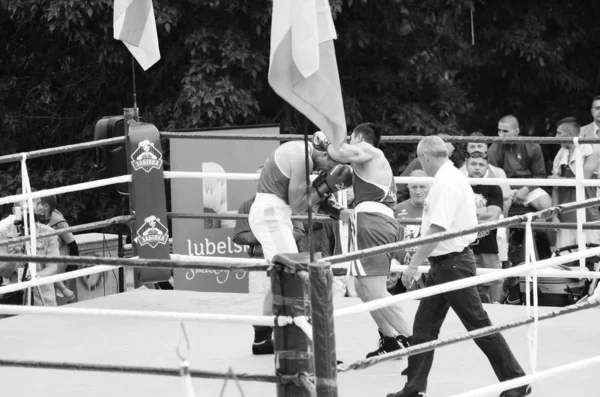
(449, 255)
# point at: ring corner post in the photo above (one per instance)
(321, 298)
(293, 349)
(147, 199)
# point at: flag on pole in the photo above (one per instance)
(134, 24)
(302, 65)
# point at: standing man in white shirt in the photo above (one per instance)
(591, 130)
(450, 207)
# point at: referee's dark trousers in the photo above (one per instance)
(466, 303)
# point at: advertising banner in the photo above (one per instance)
(208, 237)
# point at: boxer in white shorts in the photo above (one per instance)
(282, 192)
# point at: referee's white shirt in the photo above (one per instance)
(450, 204)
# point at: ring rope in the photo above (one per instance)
(388, 248)
(267, 321)
(35, 282)
(303, 380)
(399, 179)
(462, 283)
(527, 379)
(66, 189)
(478, 333)
(341, 270)
(190, 215)
(141, 370)
(73, 229)
(179, 262)
(385, 138)
(62, 149)
(535, 225)
(571, 182)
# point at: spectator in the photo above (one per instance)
(520, 160)
(402, 194)
(13, 272)
(335, 241)
(493, 172)
(488, 201)
(523, 160)
(564, 168)
(591, 130)
(67, 245)
(409, 209)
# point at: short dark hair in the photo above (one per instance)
(370, 133)
(596, 98)
(50, 200)
(572, 121)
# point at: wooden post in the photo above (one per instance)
(293, 349)
(321, 299)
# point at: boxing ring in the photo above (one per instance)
(185, 343)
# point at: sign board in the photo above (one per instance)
(207, 237)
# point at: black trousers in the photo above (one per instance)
(467, 305)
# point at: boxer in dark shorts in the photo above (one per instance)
(374, 224)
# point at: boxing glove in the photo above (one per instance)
(334, 210)
(320, 141)
(339, 178)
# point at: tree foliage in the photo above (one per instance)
(414, 66)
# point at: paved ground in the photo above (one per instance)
(457, 368)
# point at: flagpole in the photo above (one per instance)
(309, 210)
(135, 108)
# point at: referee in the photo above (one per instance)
(450, 206)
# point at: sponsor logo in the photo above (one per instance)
(152, 232)
(146, 157)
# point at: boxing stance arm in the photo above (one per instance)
(346, 153)
(297, 195)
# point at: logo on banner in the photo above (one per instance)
(146, 157)
(152, 232)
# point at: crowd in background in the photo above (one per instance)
(499, 248)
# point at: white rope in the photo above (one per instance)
(505, 181)
(217, 175)
(533, 329)
(463, 283)
(219, 260)
(57, 277)
(143, 315)
(528, 379)
(66, 189)
(550, 273)
(304, 325)
(398, 179)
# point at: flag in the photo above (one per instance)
(302, 64)
(134, 24)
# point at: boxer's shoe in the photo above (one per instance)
(518, 392)
(264, 347)
(388, 344)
